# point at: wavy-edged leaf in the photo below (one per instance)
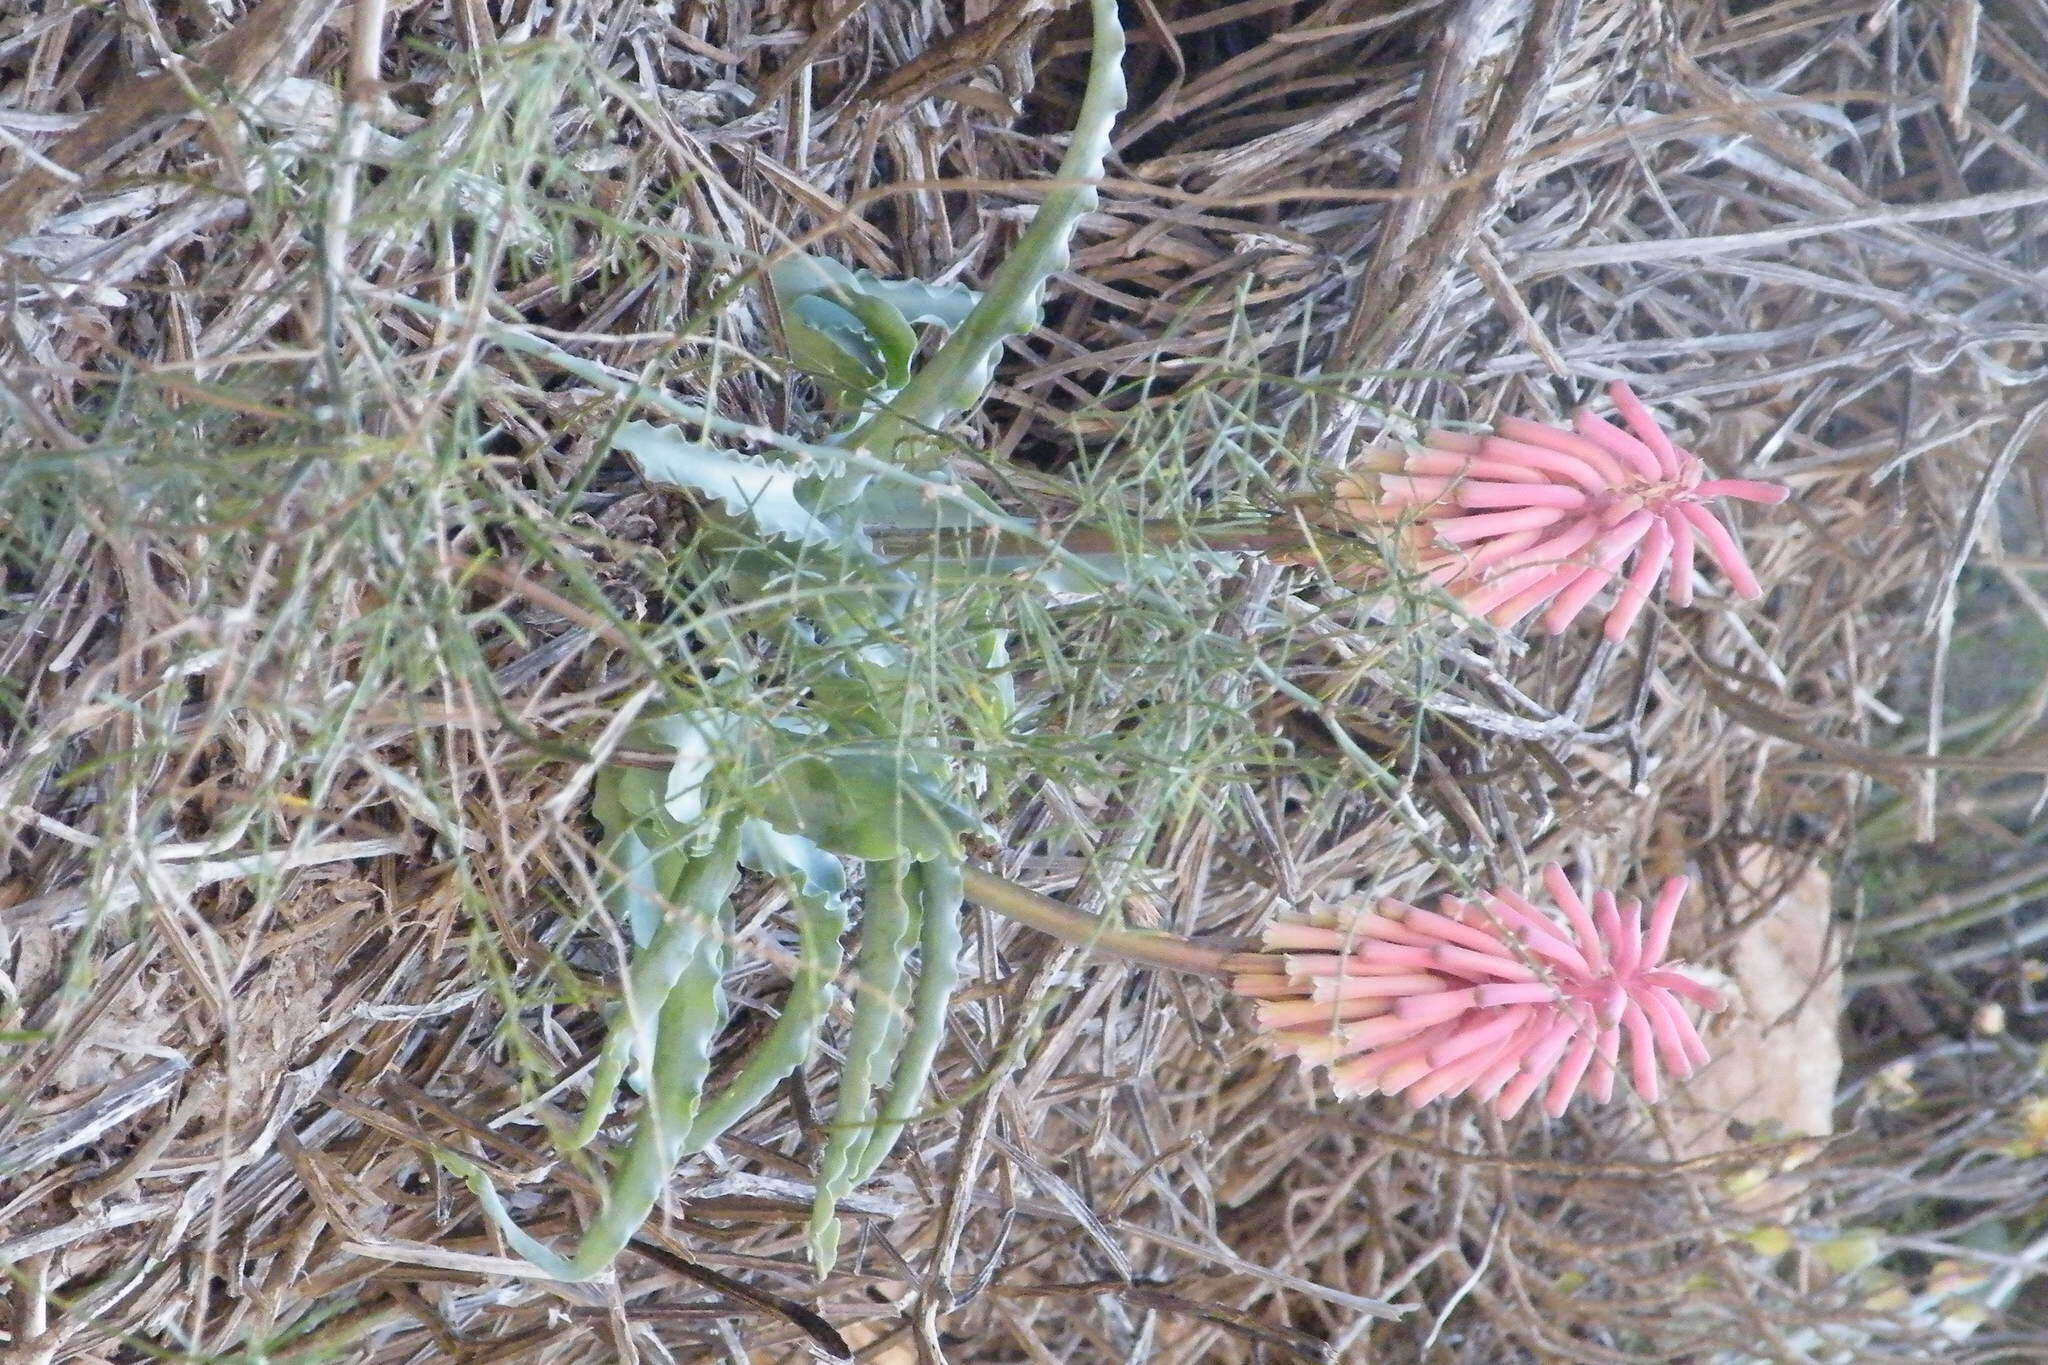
(853, 331)
(888, 932)
(834, 347)
(866, 804)
(916, 301)
(953, 381)
(936, 892)
(761, 493)
(672, 1012)
(816, 884)
(886, 505)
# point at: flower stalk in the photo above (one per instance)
(1145, 947)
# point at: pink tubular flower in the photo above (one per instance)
(1533, 516)
(1495, 998)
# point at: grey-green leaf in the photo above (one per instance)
(865, 804)
(917, 301)
(832, 345)
(762, 493)
(953, 381)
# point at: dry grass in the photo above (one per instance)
(295, 839)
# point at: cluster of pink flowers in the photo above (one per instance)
(1531, 516)
(1493, 998)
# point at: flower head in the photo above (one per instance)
(1495, 998)
(1532, 516)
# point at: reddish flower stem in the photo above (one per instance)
(1147, 947)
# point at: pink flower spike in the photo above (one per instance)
(1507, 1065)
(1612, 438)
(1565, 1083)
(1488, 966)
(1677, 1040)
(1549, 466)
(1496, 1000)
(1406, 957)
(1504, 551)
(1458, 530)
(1516, 993)
(1509, 614)
(1391, 923)
(1536, 436)
(1576, 596)
(1538, 934)
(1745, 490)
(1600, 1076)
(1410, 1049)
(1706, 997)
(1681, 558)
(1282, 934)
(1721, 547)
(1644, 424)
(1376, 1034)
(1567, 899)
(1607, 918)
(1455, 1074)
(1374, 987)
(1453, 1079)
(1336, 964)
(1614, 547)
(1438, 1007)
(1482, 494)
(1642, 1051)
(1663, 914)
(1403, 490)
(1514, 595)
(1560, 549)
(1502, 1025)
(1538, 520)
(1276, 1016)
(1628, 950)
(1543, 1054)
(1451, 929)
(1520, 1087)
(1642, 581)
(1449, 464)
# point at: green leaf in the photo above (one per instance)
(852, 330)
(888, 931)
(935, 889)
(699, 739)
(834, 347)
(811, 874)
(662, 1037)
(816, 884)
(751, 490)
(865, 804)
(884, 504)
(953, 381)
(943, 305)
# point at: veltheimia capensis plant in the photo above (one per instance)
(816, 763)
(829, 796)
